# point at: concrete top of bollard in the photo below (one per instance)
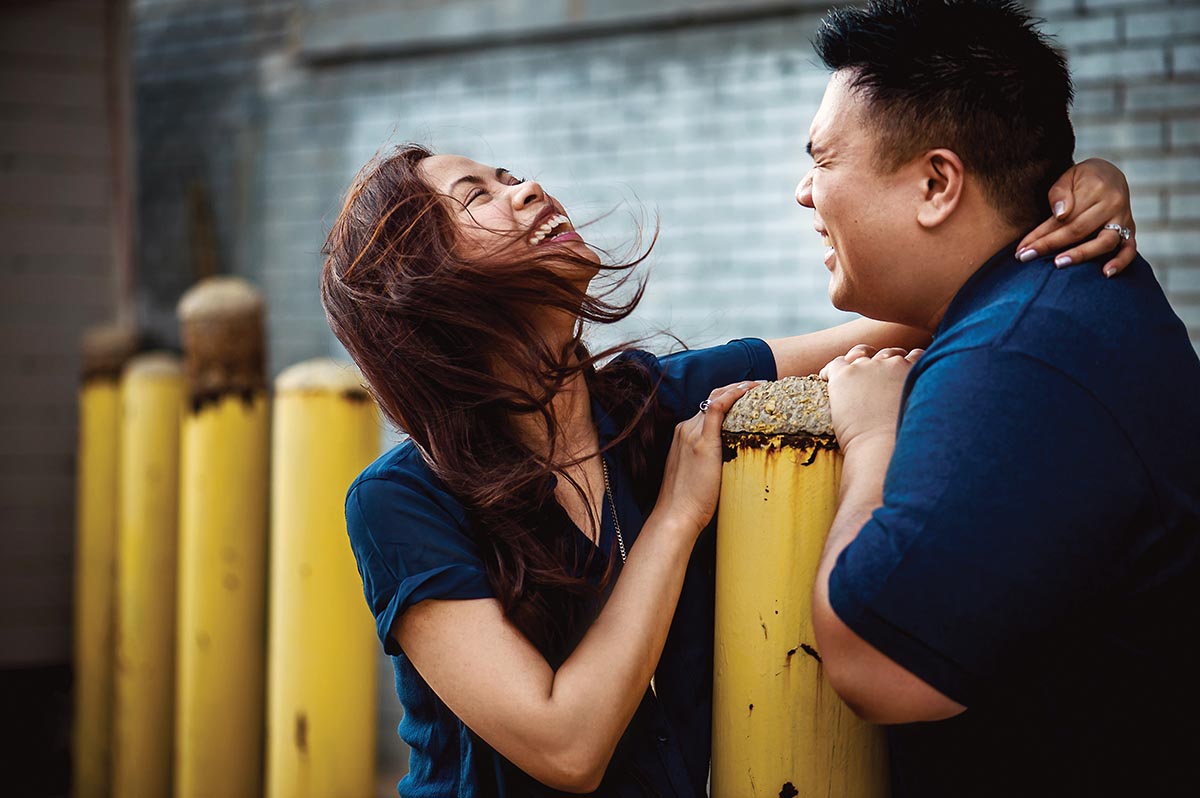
(791, 406)
(154, 364)
(322, 375)
(106, 348)
(218, 298)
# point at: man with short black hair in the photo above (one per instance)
(1013, 576)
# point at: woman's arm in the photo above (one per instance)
(801, 355)
(562, 727)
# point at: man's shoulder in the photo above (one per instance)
(1074, 319)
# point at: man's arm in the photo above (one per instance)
(870, 683)
(1003, 520)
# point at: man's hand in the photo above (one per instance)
(865, 386)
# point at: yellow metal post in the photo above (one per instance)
(779, 729)
(105, 350)
(222, 544)
(322, 646)
(152, 398)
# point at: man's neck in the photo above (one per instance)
(962, 252)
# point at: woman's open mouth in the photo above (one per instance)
(557, 228)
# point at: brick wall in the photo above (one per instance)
(58, 276)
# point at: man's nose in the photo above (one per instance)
(804, 191)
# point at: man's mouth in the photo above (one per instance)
(556, 228)
(829, 250)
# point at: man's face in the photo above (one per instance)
(862, 214)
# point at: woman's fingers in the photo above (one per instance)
(1026, 250)
(719, 402)
(1084, 227)
(1124, 257)
(1104, 242)
(1062, 201)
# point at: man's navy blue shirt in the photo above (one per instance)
(1036, 555)
(412, 541)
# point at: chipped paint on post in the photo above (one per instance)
(778, 497)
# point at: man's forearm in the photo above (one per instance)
(870, 683)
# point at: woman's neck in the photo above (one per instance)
(575, 431)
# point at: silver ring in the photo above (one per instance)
(704, 406)
(1124, 232)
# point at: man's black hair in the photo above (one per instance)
(973, 76)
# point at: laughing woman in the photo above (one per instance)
(538, 554)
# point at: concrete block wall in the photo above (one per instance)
(58, 276)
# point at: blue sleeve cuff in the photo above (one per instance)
(762, 359)
(927, 664)
(456, 581)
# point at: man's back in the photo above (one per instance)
(1037, 557)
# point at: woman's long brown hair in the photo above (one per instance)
(427, 328)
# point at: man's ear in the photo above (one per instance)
(943, 180)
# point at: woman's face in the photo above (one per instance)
(497, 212)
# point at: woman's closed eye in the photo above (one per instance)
(509, 180)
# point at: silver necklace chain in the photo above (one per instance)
(613, 506)
(612, 503)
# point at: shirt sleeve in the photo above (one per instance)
(1004, 510)
(689, 376)
(410, 545)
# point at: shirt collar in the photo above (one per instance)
(978, 283)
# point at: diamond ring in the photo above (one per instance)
(1124, 232)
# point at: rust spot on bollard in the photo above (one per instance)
(357, 397)
(788, 790)
(302, 733)
(221, 323)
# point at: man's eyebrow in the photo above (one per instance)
(472, 179)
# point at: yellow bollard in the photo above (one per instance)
(152, 399)
(222, 544)
(105, 350)
(322, 648)
(779, 729)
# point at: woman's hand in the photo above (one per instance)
(1090, 195)
(692, 478)
(865, 386)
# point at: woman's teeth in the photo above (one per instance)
(545, 229)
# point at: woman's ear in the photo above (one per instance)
(943, 179)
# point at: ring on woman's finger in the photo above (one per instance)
(1123, 232)
(704, 406)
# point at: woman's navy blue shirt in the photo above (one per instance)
(412, 541)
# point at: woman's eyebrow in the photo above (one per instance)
(500, 172)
